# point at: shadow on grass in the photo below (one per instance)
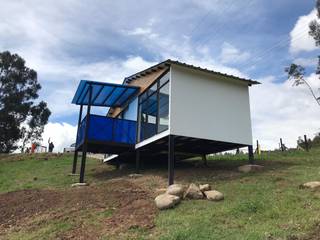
(193, 170)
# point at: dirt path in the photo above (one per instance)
(131, 207)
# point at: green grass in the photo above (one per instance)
(33, 171)
(262, 205)
(256, 206)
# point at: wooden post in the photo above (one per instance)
(258, 148)
(138, 161)
(306, 143)
(250, 154)
(85, 142)
(75, 156)
(204, 159)
(171, 159)
(281, 145)
(238, 151)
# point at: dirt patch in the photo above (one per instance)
(30, 210)
(15, 206)
(315, 234)
(137, 214)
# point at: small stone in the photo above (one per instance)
(250, 168)
(176, 189)
(204, 187)
(165, 201)
(193, 192)
(214, 195)
(135, 175)
(312, 185)
(79, 184)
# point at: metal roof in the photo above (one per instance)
(104, 94)
(167, 63)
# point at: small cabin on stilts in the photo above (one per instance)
(171, 111)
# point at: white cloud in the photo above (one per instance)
(61, 134)
(300, 40)
(306, 62)
(231, 54)
(140, 31)
(283, 111)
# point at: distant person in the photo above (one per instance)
(51, 146)
(33, 147)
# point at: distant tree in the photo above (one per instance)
(297, 72)
(20, 117)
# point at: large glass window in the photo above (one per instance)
(154, 109)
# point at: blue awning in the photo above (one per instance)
(104, 94)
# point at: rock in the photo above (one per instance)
(312, 185)
(214, 195)
(79, 184)
(135, 175)
(204, 187)
(176, 189)
(193, 192)
(165, 201)
(250, 168)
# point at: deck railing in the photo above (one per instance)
(106, 129)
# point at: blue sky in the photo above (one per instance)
(65, 41)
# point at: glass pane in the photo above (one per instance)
(148, 118)
(163, 108)
(152, 89)
(164, 79)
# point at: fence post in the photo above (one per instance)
(281, 145)
(258, 148)
(306, 143)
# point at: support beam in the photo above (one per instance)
(138, 161)
(306, 143)
(75, 156)
(171, 160)
(250, 153)
(85, 142)
(204, 159)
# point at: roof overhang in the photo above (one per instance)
(104, 94)
(169, 62)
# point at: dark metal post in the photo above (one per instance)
(306, 143)
(75, 157)
(171, 159)
(138, 161)
(238, 151)
(281, 145)
(85, 142)
(250, 153)
(204, 159)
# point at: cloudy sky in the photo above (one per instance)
(65, 41)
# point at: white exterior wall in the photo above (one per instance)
(209, 107)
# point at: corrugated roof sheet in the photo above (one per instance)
(169, 62)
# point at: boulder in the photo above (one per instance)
(214, 195)
(193, 192)
(312, 185)
(250, 168)
(204, 187)
(165, 201)
(176, 189)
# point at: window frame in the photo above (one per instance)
(147, 96)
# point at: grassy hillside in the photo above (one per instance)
(37, 202)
